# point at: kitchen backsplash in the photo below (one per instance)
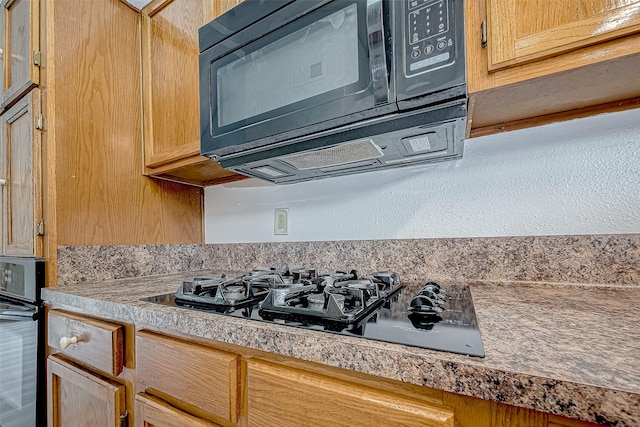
(584, 259)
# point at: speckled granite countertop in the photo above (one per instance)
(566, 349)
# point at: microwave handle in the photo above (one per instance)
(377, 54)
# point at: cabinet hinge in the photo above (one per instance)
(483, 33)
(40, 228)
(39, 121)
(124, 419)
(37, 57)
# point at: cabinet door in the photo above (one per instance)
(207, 378)
(153, 412)
(20, 150)
(281, 396)
(170, 69)
(170, 91)
(20, 48)
(523, 31)
(77, 398)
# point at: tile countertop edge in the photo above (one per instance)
(428, 368)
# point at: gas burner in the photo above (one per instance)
(252, 286)
(388, 282)
(374, 306)
(339, 298)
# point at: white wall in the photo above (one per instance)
(576, 177)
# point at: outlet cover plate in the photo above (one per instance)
(281, 221)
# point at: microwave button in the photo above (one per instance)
(428, 49)
(429, 61)
(415, 53)
(441, 44)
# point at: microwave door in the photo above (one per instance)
(321, 70)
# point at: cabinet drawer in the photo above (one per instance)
(281, 396)
(191, 372)
(154, 412)
(99, 344)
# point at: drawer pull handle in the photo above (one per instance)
(66, 341)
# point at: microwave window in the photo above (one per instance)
(316, 59)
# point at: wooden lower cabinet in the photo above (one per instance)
(197, 375)
(183, 382)
(154, 412)
(78, 398)
(279, 396)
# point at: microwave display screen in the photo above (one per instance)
(319, 58)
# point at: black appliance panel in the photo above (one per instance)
(453, 329)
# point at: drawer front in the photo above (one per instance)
(154, 412)
(281, 396)
(97, 343)
(191, 372)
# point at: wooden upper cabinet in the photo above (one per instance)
(549, 61)
(526, 30)
(77, 398)
(20, 54)
(170, 79)
(20, 171)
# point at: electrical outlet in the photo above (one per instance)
(281, 221)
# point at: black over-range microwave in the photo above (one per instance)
(293, 90)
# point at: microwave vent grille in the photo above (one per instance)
(344, 154)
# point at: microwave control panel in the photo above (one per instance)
(429, 35)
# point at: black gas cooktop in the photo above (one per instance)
(375, 306)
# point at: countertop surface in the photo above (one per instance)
(570, 350)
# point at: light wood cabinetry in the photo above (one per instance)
(525, 31)
(185, 382)
(169, 31)
(20, 32)
(93, 342)
(88, 379)
(20, 171)
(275, 398)
(97, 194)
(153, 412)
(79, 398)
(199, 375)
(543, 64)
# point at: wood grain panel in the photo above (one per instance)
(21, 37)
(170, 51)
(512, 416)
(548, 89)
(102, 198)
(174, 110)
(523, 31)
(196, 374)
(469, 411)
(154, 412)
(77, 398)
(100, 344)
(22, 192)
(281, 396)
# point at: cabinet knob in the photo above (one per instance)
(3, 181)
(67, 341)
